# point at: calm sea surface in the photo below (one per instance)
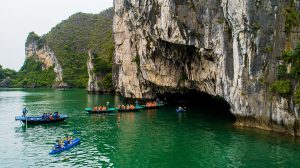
(149, 138)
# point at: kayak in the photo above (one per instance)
(73, 143)
(138, 108)
(152, 107)
(180, 111)
(109, 110)
(40, 119)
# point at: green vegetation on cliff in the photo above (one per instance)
(73, 38)
(291, 18)
(34, 38)
(5, 73)
(32, 75)
(288, 73)
(6, 77)
(282, 87)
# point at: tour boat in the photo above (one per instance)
(40, 119)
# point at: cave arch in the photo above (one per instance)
(214, 106)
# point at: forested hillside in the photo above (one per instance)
(70, 41)
(6, 77)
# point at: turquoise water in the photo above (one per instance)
(150, 138)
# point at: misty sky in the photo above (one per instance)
(19, 17)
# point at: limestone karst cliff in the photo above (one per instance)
(66, 49)
(227, 48)
(38, 50)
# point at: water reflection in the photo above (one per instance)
(151, 114)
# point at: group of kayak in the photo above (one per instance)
(68, 142)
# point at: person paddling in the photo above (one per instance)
(137, 103)
(57, 145)
(25, 111)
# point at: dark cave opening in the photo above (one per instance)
(214, 106)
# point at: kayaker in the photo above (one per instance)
(57, 145)
(47, 115)
(155, 104)
(68, 138)
(136, 103)
(25, 111)
(66, 142)
(56, 115)
(44, 116)
(180, 109)
(107, 105)
(50, 116)
(157, 101)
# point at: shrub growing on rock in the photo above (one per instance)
(281, 87)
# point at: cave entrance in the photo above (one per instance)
(212, 106)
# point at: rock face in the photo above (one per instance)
(96, 79)
(48, 58)
(93, 78)
(227, 48)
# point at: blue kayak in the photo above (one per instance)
(180, 110)
(73, 143)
